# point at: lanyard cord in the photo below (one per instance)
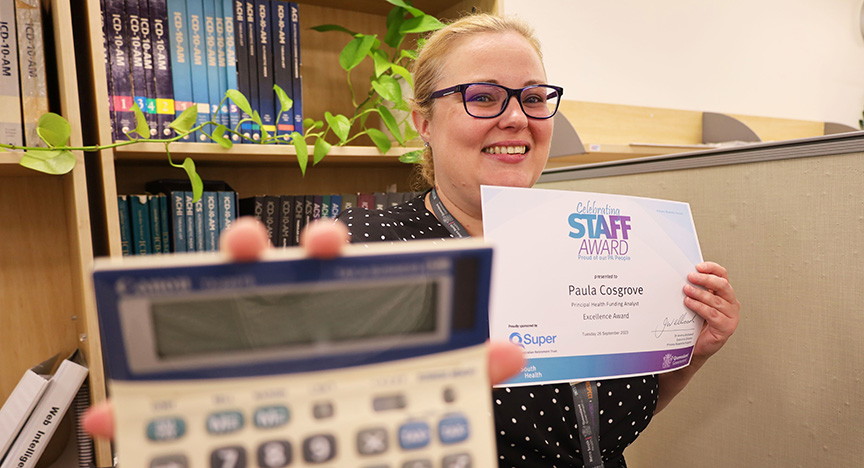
(452, 224)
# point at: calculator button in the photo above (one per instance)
(274, 454)
(372, 441)
(228, 457)
(165, 429)
(170, 461)
(453, 429)
(224, 422)
(414, 435)
(323, 410)
(389, 402)
(417, 464)
(449, 395)
(459, 460)
(319, 448)
(271, 416)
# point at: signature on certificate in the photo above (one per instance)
(683, 319)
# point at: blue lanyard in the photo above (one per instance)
(452, 224)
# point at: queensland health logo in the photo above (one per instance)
(524, 340)
(603, 231)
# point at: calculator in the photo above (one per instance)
(375, 359)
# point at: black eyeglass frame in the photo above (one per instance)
(460, 88)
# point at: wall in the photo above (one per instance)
(773, 58)
(786, 390)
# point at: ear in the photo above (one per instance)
(421, 123)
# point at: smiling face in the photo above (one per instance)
(508, 150)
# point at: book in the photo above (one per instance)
(178, 220)
(221, 62)
(380, 200)
(366, 200)
(316, 207)
(149, 108)
(250, 129)
(308, 210)
(282, 75)
(32, 67)
(155, 209)
(296, 63)
(11, 123)
(325, 206)
(335, 205)
(286, 221)
(200, 224)
(189, 222)
(349, 200)
(162, 72)
(125, 225)
(136, 57)
(227, 209)
(212, 61)
(209, 202)
(198, 63)
(163, 222)
(110, 85)
(121, 81)
(139, 212)
(21, 402)
(231, 63)
(46, 416)
(181, 70)
(299, 217)
(241, 54)
(270, 218)
(266, 103)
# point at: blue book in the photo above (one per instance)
(189, 221)
(181, 70)
(212, 60)
(142, 243)
(155, 224)
(162, 68)
(198, 63)
(251, 130)
(150, 111)
(221, 61)
(210, 202)
(241, 46)
(125, 225)
(117, 29)
(136, 58)
(282, 77)
(266, 96)
(296, 63)
(227, 209)
(163, 220)
(335, 205)
(231, 63)
(200, 223)
(178, 221)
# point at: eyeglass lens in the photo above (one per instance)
(485, 100)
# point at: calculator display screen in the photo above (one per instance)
(297, 317)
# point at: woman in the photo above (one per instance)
(465, 78)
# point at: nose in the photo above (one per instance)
(513, 116)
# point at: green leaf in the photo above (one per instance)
(405, 5)
(186, 121)
(332, 27)
(380, 139)
(256, 117)
(302, 151)
(143, 130)
(219, 137)
(412, 157)
(48, 161)
(355, 51)
(310, 123)
(339, 124)
(409, 54)
(394, 20)
(240, 100)
(285, 102)
(381, 61)
(388, 88)
(404, 73)
(53, 129)
(410, 133)
(420, 24)
(390, 123)
(194, 178)
(321, 150)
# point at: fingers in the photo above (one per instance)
(99, 420)
(505, 360)
(245, 241)
(715, 279)
(324, 239)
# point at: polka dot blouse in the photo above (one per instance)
(536, 426)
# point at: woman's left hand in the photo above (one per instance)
(716, 303)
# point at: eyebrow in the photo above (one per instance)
(527, 83)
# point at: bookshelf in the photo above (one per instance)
(46, 253)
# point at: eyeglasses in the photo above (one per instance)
(488, 100)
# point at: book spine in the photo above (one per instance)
(198, 63)
(136, 57)
(211, 221)
(308, 209)
(227, 210)
(125, 225)
(282, 77)
(150, 112)
(162, 68)
(241, 45)
(251, 130)
(200, 225)
(141, 238)
(231, 64)
(189, 221)
(316, 207)
(335, 205)
(211, 59)
(163, 221)
(266, 104)
(121, 81)
(325, 206)
(299, 217)
(296, 64)
(286, 221)
(11, 123)
(181, 70)
(178, 220)
(31, 65)
(221, 62)
(155, 223)
(270, 218)
(103, 14)
(349, 200)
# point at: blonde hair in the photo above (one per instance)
(428, 67)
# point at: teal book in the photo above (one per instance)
(189, 219)
(210, 205)
(125, 225)
(163, 220)
(198, 63)
(227, 209)
(212, 59)
(178, 221)
(181, 70)
(231, 63)
(142, 243)
(155, 224)
(199, 224)
(325, 206)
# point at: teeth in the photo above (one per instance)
(505, 150)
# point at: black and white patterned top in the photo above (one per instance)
(536, 425)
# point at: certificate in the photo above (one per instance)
(590, 285)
